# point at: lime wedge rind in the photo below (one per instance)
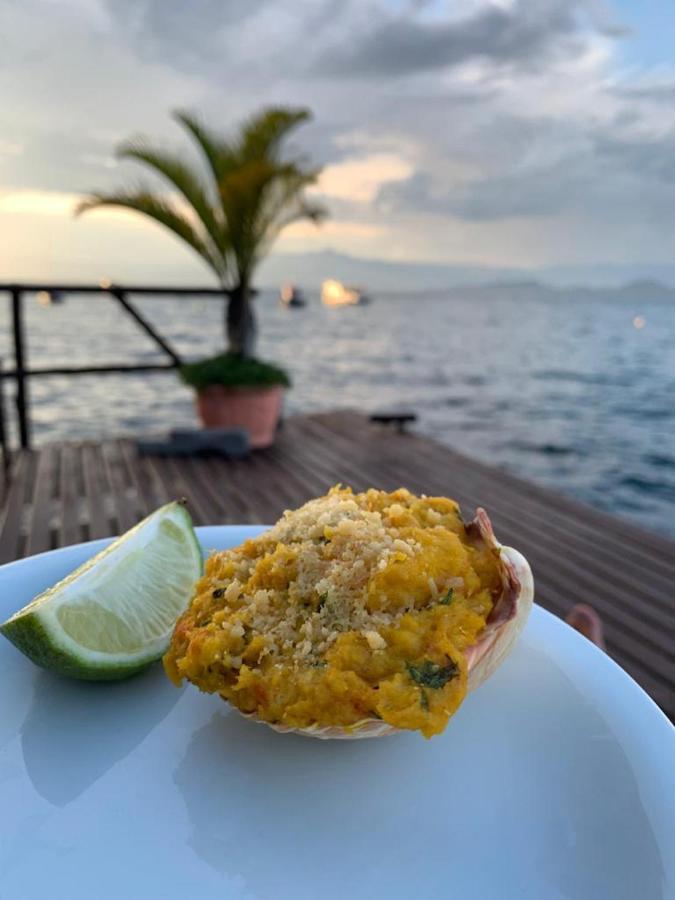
(114, 615)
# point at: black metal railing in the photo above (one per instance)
(22, 373)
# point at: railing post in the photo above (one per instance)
(120, 295)
(22, 399)
(3, 425)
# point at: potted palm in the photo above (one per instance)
(229, 211)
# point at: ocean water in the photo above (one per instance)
(562, 390)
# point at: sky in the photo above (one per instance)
(505, 133)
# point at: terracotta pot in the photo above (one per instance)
(256, 409)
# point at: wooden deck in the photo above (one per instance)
(64, 493)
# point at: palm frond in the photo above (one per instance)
(285, 205)
(217, 152)
(161, 211)
(181, 176)
(283, 199)
(312, 212)
(263, 134)
(242, 197)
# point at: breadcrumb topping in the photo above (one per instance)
(340, 598)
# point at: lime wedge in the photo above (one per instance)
(114, 615)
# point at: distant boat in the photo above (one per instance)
(335, 293)
(49, 298)
(291, 296)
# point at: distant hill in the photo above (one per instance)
(310, 269)
(636, 291)
(641, 289)
(628, 276)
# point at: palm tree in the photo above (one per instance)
(230, 210)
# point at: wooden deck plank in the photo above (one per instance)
(149, 490)
(180, 484)
(97, 520)
(173, 485)
(123, 493)
(70, 493)
(219, 481)
(38, 537)
(251, 486)
(282, 486)
(577, 553)
(196, 492)
(15, 501)
(222, 482)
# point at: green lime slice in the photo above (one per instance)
(114, 615)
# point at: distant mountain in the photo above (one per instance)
(310, 269)
(633, 275)
(641, 290)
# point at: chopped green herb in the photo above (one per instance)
(424, 700)
(322, 601)
(218, 593)
(319, 664)
(430, 674)
(446, 600)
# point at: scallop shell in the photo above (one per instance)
(505, 623)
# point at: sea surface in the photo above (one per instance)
(575, 393)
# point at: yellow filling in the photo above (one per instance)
(354, 606)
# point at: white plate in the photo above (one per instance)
(554, 780)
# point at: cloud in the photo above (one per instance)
(184, 34)
(482, 130)
(526, 33)
(10, 148)
(38, 203)
(654, 92)
(598, 173)
(360, 179)
(62, 205)
(650, 158)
